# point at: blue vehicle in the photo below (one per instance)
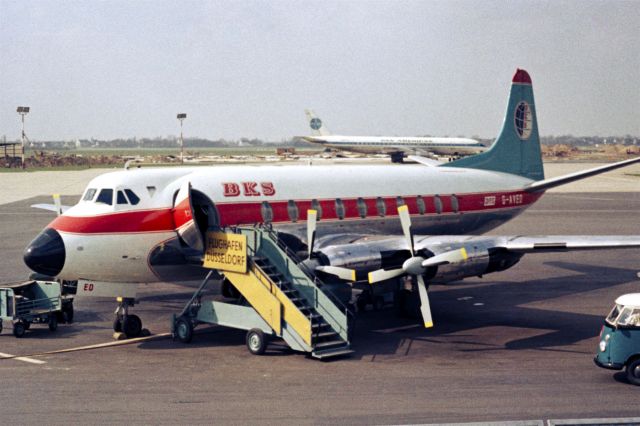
(620, 338)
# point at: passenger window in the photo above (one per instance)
(133, 198)
(454, 204)
(292, 209)
(438, 202)
(382, 208)
(315, 205)
(267, 212)
(88, 196)
(121, 199)
(399, 201)
(339, 208)
(422, 208)
(105, 197)
(362, 208)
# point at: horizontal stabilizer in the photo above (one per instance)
(561, 180)
(425, 161)
(50, 207)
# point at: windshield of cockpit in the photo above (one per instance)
(624, 316)
(109, 196)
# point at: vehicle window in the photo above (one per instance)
(267, 212)
(315, 205)
(611, 318)
(629, 316)
(362, 208)
(88, 196)
(381, 207)
(422, 208)
(105, 196)
(133, 198)
(454, 204)
(339, 208)
(438, 202)
(121, 199)
(399, 201)
(623, 318)
(292, 209)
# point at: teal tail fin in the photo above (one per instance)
(517, 149)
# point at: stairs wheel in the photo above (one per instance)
(256, 341)
(184, 330)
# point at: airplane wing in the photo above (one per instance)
(543, 244)
(425, 161)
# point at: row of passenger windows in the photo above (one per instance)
(381, 207)
(105, 196)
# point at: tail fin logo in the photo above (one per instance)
(523, 120)
(315, 123)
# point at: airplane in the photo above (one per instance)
(380, 222)
(396, 146)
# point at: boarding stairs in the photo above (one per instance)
(282, 298)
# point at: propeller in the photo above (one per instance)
(338, 271)
(412, 266)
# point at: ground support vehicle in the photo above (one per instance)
(619, 346)
(33, 302)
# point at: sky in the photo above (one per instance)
(119, 69)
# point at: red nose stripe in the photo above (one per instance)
(135, 221)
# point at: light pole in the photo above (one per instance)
(23, 110)
(181, 117)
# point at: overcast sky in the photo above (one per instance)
(249, 68)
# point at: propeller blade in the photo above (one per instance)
(453, 256)
(405, 221)
(342, 273)
(312, 217)
(425, 308)
(382, 274)
(57, 203)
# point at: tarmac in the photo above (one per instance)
(514, 345)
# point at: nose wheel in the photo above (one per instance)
(129, 324)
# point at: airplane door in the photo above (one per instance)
(184, 219)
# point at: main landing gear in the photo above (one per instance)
(128, 324)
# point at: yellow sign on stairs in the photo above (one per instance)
(226, 252)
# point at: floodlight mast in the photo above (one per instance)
(181, 116)
(23, 110)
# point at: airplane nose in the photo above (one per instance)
(46, 254)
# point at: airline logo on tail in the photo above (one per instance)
(523, 120)
(315, 123)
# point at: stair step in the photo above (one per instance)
(331, 353)
(328, 344)
(319, 325)
(325, 334)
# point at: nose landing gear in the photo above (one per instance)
(128, 324)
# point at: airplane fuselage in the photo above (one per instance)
(387, 144)
(126, 242)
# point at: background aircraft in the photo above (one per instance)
(396, 146)
(144, 225)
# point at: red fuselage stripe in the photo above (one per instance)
(239, 213)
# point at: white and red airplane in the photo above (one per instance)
(147, 225)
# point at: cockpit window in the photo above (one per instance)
(88, 196)
(133, 198)
(105, 196)
(121, 198)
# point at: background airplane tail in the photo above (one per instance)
(317, 126)
(517, 148)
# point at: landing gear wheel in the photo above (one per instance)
(132, 326)
(117, 325)
(256, 341)
(633, 372)
(18, 329)
(53, 323)
(184, 330)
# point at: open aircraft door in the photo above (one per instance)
(184, 219)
